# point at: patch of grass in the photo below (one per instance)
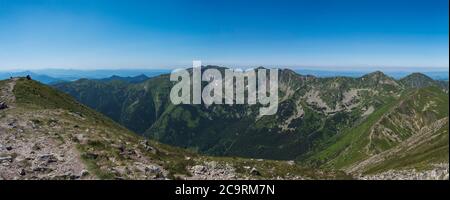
(349, 146)
(421, 157)
(93, 167)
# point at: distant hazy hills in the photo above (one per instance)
(361, 124)
(436, 75)
(50, 76)
(39, 77)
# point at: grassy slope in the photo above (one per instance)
(105, 135)
(32, 95)
(434, 151)
(335, 144)
(350, 146)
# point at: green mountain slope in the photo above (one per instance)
(216, 127)
(46, 134)
(418, 80)
(335, 123)
(410, 132)
(137, 106)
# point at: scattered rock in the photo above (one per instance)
(41, 169)
(439, 172)
(12, 124)
(48, 158)
(291, 162)
(36, 147)
(120, 170)
(3, 105)
(199, 169)
(80, 138)
(147, 146)
(121, 148)
(131, 152)
(21, 172)
(71, 176)
(6, 158)
(157, 171)
(255, 172)
(212, 171)
(52, 122)
(84, 173)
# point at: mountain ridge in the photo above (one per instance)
(46, 134)
(313, 113)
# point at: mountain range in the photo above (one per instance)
(47, 135)
(365, 125)
(52, 76)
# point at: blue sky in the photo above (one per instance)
(350, 34)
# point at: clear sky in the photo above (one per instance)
(88, 34)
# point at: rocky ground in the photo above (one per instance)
(33, 148)
(43, 142)
(439, 172)
(26, 153)
(55, 143)
(212, 171)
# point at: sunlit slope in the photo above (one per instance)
(46, 134)
(409, 132)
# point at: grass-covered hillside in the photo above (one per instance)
(46, 134)
(333, 123)
(409, 132)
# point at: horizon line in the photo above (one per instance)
(311, 67)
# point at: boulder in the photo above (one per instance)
(21, 172)
(48, 158)
(255, 172)
(147, 146)
(199, 169)
(84, 173)
(6, 158)
(3, 105)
